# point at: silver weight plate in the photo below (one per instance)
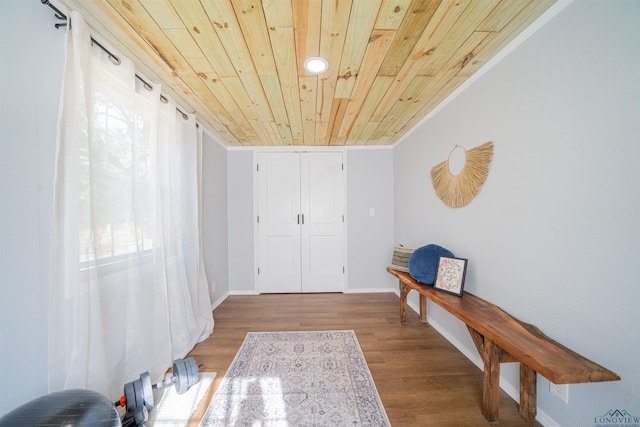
(181, 376)
(147, 390)
(192, 371)
(139, 392)
(179, 372)
(130, 396)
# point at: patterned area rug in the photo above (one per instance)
(297, 379)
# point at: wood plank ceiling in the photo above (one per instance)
(238, 64)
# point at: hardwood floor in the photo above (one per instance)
(422, 379)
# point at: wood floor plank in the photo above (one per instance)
(421, 377)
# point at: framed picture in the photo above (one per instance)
(450, 274)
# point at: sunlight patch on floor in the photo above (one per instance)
(173, 409)
(271, 399)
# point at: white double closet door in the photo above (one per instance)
(300, 222)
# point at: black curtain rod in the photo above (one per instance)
(59, 15)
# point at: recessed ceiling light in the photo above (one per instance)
(316, 65)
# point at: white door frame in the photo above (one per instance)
(255, 207)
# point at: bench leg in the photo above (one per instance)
(492, 356)
(404, 290)
(491, 381)
(528, 393)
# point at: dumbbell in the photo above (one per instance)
(184, 373)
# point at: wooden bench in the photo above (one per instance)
(501, 338)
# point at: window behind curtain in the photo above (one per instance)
(128, 290)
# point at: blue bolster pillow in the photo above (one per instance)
(423, 264)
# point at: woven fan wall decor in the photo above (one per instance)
(456, 191)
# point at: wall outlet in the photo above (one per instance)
(561, 391)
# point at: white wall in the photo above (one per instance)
(31, 61)
(553, 237)
(240, 184)
(214, 217)
(370, 238)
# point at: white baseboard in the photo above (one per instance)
(546, 420)
(347, 291)
(250, 292)
(219, 301)
(368, 290)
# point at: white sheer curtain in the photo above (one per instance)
(128, 289)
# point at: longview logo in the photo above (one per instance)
(616, 418)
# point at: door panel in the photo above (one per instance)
(322, 199)
(278, 228)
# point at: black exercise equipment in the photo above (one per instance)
(65, 408)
